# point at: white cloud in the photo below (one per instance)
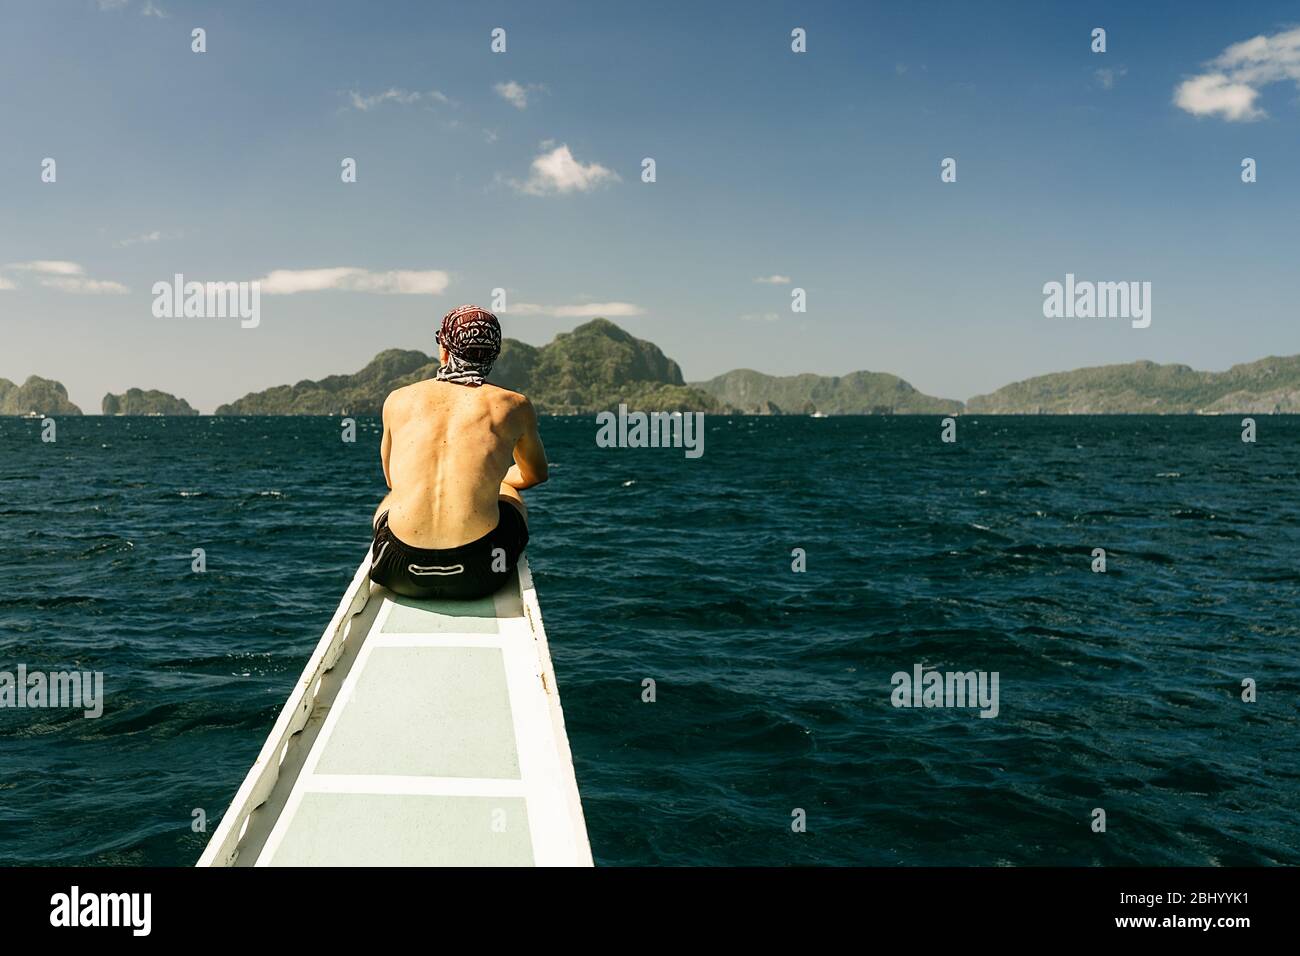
(66, 277)
(558, 172)
(151, 10)
(588, 310)
(156, 236)
(57, 267)
(80, 285)
(1264, 59)
(774, 280)
(394, 95)
(111, 4)
(1215, 93)
(1232, 83)
(516, 94)
(1107, 76)
(6, 284)
(352, 279)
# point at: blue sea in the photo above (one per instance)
(1119, 690)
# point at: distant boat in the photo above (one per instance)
(819, 415)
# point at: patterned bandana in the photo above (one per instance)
(472, 338)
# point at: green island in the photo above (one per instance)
(599, 366)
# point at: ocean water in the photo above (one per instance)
(1119, 690)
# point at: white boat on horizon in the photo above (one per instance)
(421, 733)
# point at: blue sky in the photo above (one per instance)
(821, 167)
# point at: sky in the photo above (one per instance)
(522, 170)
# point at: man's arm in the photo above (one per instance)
(530, 467)
(386, 445)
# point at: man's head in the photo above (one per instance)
(469, 342)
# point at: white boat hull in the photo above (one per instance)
(420, 734)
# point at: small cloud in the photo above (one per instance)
(1107, 76)
(588, 310)
(6, 284)
(79, 285)
(66, 277)
(1215, 93)
(900, 68)
(516, 94)
(155, 236)
(760, 317)
(773, 280)
(56, 267)
(111, 4)
(490, 135)
(151, 10)
(557, 172)
(1231, 85)
(352, 279)
(394, 95)
(513, 93)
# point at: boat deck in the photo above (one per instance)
(436, 738)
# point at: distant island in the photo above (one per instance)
(135, 401)
(1268, 386)
(594, 367)
(858, 393)
(598, 366)
(36, 396)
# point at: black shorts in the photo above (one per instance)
(470, 571)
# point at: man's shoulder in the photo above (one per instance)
(400, 396)
(418, 394)
(505, 397)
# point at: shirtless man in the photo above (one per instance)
(457, 452)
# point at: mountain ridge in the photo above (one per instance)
(135, 401)
(1270, 385)
(599, 365)
(36, 396)
(857, 393)
(594, 367)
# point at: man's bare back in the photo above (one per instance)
(449, 453)
(453, 526)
